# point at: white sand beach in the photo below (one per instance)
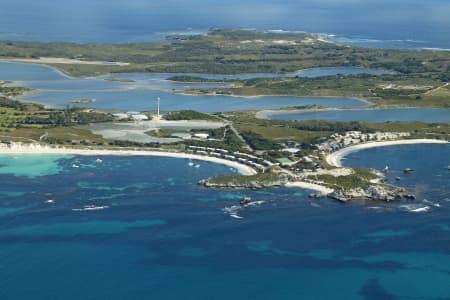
(310, 186)
(18, 148)
(335, 158)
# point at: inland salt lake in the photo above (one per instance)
(56, 90)
(52, 88)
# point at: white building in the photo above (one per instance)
(201, 135)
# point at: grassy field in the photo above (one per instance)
(421, 80)
(7, 91)
(387, 90)
(189, 115)
(265, 133)
(360, 178)
(230, 52)
(21, 121)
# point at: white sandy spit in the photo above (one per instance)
(335, 158)
(40, 149)
(59, 60)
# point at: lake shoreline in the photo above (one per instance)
(267, 114)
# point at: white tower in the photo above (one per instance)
(159, 116)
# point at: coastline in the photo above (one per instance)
(335, 158)
(267, 114)
(367, 102)
(22, 149)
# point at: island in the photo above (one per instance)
(267, 152)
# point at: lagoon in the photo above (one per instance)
(427, 115)
(53, 89)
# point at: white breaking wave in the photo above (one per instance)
(233, 211)
(431, 203)
(90, 208)
(415, 208)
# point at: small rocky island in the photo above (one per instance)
(83, 101)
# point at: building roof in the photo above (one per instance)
(139, 117)
(120, 116)
(202, 135)
(181, 135)
(284, 160)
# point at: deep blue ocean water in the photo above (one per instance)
(380, 23)
(164, 237)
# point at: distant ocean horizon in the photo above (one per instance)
(385, 24)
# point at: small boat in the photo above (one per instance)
(408, 170)
(245, 201)
(74, 166)
(98, 161)
(410, 196)
(386, 169)
(397, 178)
(190, 164)
(448, 168)
(50, 201)
(197, 166)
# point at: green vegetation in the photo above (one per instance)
(421, 80)
(240, 180)
(229, 142)
(258, 141)
(163, 132)
(359, 179)
(189, 115)
(14, 91)
(394, 90)
(265, 134)
(15, 115)
(124, 80)
(231, 52)
(191, 79)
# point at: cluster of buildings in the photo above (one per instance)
(188, 136)
(243, 158)
(338, 141)
(133, 115)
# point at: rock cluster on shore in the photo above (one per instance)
(374, 192)
(247, 185)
